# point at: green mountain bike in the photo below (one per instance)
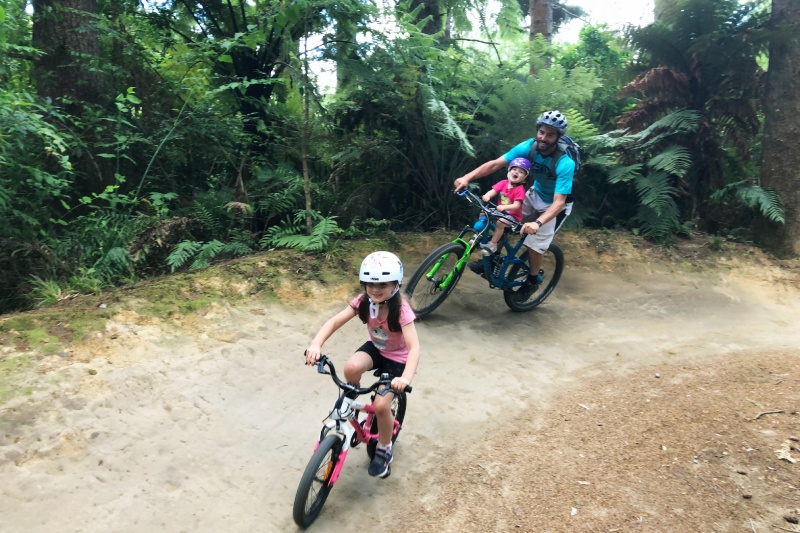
(439, 273)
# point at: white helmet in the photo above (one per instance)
(380, 267)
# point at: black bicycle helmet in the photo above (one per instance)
(554, 119)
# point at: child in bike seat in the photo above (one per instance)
(511, 192)
(393, 347)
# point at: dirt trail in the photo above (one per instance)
(208, 427)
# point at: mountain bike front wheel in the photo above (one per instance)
(399, 413)
(553, 266)
(435, 278)
(315, 483)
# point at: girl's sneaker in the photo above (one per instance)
(380, 463)
(489, 248)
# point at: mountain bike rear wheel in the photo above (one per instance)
(399, 412)
(553, 266)
(435, 278)
(315, 483)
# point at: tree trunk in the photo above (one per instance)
(780, 165)
(541, 12)
(66, 32)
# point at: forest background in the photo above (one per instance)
(142, 138)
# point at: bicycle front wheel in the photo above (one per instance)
(552, 265)
(399, 413)
(435, 278)
(315, 483)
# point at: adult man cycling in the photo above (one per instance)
(545, 206)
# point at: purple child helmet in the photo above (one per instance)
(522, 163)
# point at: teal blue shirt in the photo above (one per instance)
(544, 182)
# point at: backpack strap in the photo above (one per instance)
(554, 157)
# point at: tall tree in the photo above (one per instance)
(541, 13)
(702, 56)
(66, 33)
(780, 154)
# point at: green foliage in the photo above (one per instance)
(290, 234)
(766, 201)
(181, 254)
(655, 167)
(700, 56)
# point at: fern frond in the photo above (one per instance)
(674, 160)
(682, 121)
(437, 117)
(275, 234)
(620, 174)
(659, 226)
(206, 253)
(656, 192)
(236, 249)
(322, 232)
(182, 252)
(114, 262)
(580, 127)
(765, 200)
(207, 218)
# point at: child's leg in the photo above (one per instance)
(358, 363)
(383, 412)
(499, 229)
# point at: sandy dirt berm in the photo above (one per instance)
(642, 396)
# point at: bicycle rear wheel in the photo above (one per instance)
(435, 278)
(315, 483)
(399, 412)
(553, 266)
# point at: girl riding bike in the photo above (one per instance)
(393, 347)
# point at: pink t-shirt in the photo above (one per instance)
(507, 197)
(391, 344)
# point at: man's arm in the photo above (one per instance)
(483, 170)
(559, 201)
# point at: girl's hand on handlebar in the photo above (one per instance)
(312, 354)
(400, 383)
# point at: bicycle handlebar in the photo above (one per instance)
(324, 361)
(490, 209)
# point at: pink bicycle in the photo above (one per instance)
(349, 423)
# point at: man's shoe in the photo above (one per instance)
(528, 287)
(379, 466)
(476, 266)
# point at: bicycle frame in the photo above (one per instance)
(343, 417)
(343, 420)
(480, 236)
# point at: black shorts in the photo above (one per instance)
(380, 363)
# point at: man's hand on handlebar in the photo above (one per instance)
(461, 183)
(529, 228)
